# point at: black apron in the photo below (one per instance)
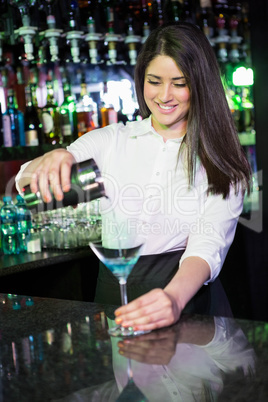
(156, 271)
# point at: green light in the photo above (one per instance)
(71, 107)
(248, 105)
(237, 99)
(243, 76)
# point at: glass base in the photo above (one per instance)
(124, 332)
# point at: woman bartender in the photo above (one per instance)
(180, 171)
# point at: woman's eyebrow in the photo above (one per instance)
(157, 77)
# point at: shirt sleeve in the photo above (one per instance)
(90, 145)
(95, 144)
(215, 231)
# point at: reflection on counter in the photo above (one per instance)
(60, 351)
(188, 361)
(50, 347)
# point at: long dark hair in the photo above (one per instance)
(211, 132)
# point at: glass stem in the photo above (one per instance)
(123, 290)
(129, 369)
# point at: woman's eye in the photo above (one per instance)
(153, 82)
(179, 85)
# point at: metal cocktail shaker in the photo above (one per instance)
(86, 185)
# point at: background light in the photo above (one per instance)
(243, 76)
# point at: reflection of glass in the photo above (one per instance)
(131, 392)
(119, 261)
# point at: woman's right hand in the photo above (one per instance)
(51, 171)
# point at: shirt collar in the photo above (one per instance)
(145, 127)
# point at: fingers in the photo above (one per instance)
(153, 310)
(146, 351)
(139, 303)
(141, 354)
(34, 183)
(65, 174)
(52, 174)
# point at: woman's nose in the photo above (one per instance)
(165, 94)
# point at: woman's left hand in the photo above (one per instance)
(163, 307)
(155, 309)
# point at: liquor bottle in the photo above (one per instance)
(1, 127)
(72, 11)
(93, 38)
(109, 8)
(221, 12)
(68, 116)
(206, 20)
(50, 116)
(121, 117)
(24, 223)
(9, 234)
(87, 116)
(108, 113)
(234, 28)
(11, 122)
(187, 12)
(132, 40)
(73, 35)
(157, 13)
(177, 9)
(145, 20)
(173, 10)
(21, 129)
(32, 125)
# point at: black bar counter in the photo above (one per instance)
(64, 274)
(59, 351)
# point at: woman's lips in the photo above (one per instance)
(166, 108)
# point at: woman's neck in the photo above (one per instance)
(175, 131)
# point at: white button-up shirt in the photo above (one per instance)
(146, 182)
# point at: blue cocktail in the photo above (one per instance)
(120, 262)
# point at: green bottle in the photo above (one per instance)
(50, 116)
(24, 223)
(9, 228)
(68, 116)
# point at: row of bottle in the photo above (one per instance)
(61, 229)
(111, 15)
(16, 225)
(112, 32)
(52, 124)
(79, 113)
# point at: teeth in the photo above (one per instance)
(165, 107)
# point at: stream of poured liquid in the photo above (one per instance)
(116, 227)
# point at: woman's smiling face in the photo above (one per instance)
(167, 95)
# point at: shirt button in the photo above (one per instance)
(157, 173)
(163, 149)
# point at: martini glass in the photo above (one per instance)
(119, 261)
